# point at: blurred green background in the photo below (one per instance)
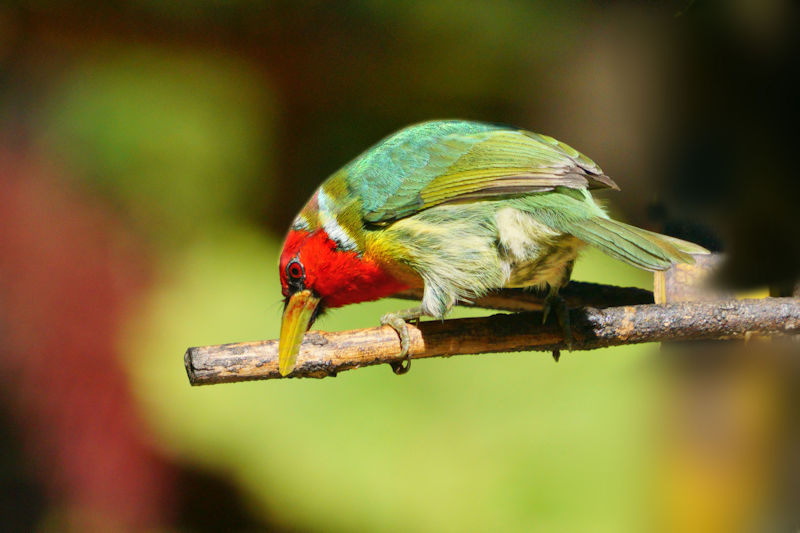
(153, 153)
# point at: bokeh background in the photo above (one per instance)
(152, 154)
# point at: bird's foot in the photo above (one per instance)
(398, 322)
(556, 303)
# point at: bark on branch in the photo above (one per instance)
(325, 354)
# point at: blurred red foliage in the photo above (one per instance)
(68, 272)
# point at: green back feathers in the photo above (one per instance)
(444, 161)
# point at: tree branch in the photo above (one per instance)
(325, 354)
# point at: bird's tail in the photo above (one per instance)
(641, 248)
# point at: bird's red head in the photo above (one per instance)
(316, 274)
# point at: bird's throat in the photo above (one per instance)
(356, 279)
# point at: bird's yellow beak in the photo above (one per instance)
(295, 323)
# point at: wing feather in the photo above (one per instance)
(448, 161)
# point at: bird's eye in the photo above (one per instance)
(295, 271)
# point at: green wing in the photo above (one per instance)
(638, 247)
(444, 161)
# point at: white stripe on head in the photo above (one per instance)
(331, 226)
(301, 223)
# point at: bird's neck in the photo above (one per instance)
(351, 279)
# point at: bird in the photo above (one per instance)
(457, 208)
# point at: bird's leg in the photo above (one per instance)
(398, 322)
(556, 303)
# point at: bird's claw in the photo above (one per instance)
(556, 303)
(401, 327)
